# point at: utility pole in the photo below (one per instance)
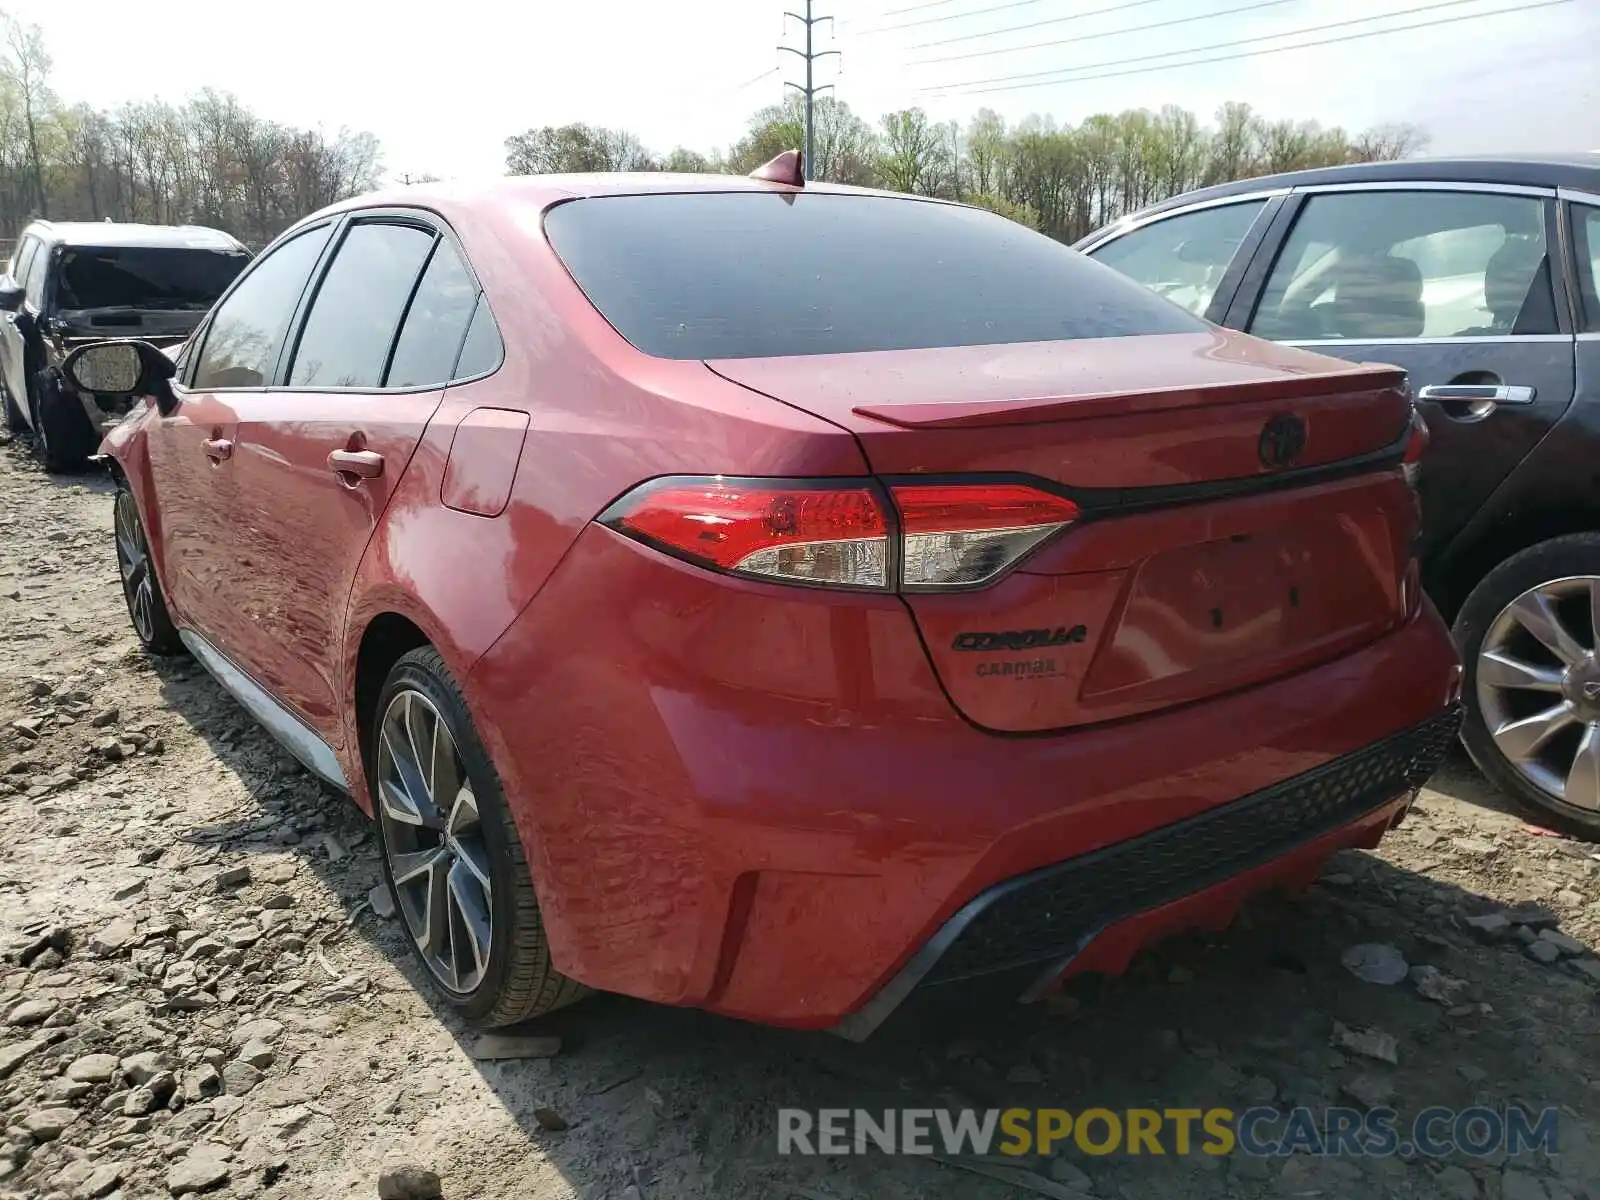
(810, 55)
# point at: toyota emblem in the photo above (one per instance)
(1283, 437)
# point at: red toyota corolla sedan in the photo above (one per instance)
(777, 598)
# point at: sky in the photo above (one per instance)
(443, 85)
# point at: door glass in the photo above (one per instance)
(358, 305)
(483, 350)
(24, 255)
(34, 276)
(435, 323)
(1586, 224)
(1387, 266)
(247, 329)
(1183, 258)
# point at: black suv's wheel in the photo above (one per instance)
(451, 854)
(15, 421)
(147, 607)
(1530, 638)
(61, 428)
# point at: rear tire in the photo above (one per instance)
(1541, 691)
(445, 832)
(62, 431)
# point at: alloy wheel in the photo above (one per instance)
(433, 839)
(133, 562)
(1538, 688)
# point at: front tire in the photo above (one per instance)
(1529, 636)
(65, 437)
(451, 855)
(147, 605)
(15, 421)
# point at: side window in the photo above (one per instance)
(34, 276)
(435, 323)
(1393, 265)
(351, 326)
(247, 329)
(483, 351)
(1183, 258)
(1586, 227)
(22, 258)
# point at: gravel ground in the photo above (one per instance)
(197, 994)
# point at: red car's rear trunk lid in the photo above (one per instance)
(1203, 563)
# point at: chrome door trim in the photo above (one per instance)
(1132, 221)
(1490, 339)
(293, 734)
(1425, 185)
(1577, 197)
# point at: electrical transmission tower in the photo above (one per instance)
(810, 90)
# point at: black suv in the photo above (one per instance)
(1479, 277)
(81, 282)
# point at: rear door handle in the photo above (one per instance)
(351, 465)
(218, 449)
(1476, 393)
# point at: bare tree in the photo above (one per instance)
(28, 66)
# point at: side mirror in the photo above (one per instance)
(11, 294)
(121, 368)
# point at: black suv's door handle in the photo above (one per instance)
(1476, 393)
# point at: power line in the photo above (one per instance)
(1055, 72)
(1350, 37)
(960, 16)
(1090, 37)
(753, 80)
(810, 90)
(895, 12)
(1097, 12)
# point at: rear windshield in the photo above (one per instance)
(757, 275)
(145, 277)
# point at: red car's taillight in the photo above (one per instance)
(1416, 447)
(959, 535)
(840, 533)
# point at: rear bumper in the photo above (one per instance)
(1093, 912)
(757, 799)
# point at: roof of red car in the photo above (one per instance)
(540, 190)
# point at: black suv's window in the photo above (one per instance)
(751, 274)
(435, 323)
(352, 323)
(246, 332)
(145, 277)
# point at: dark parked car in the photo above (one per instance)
(74, 282)
(775, 598)
(1478, 277)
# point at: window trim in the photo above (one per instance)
(1249, 300)
(1123, 226)
(202, 333)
